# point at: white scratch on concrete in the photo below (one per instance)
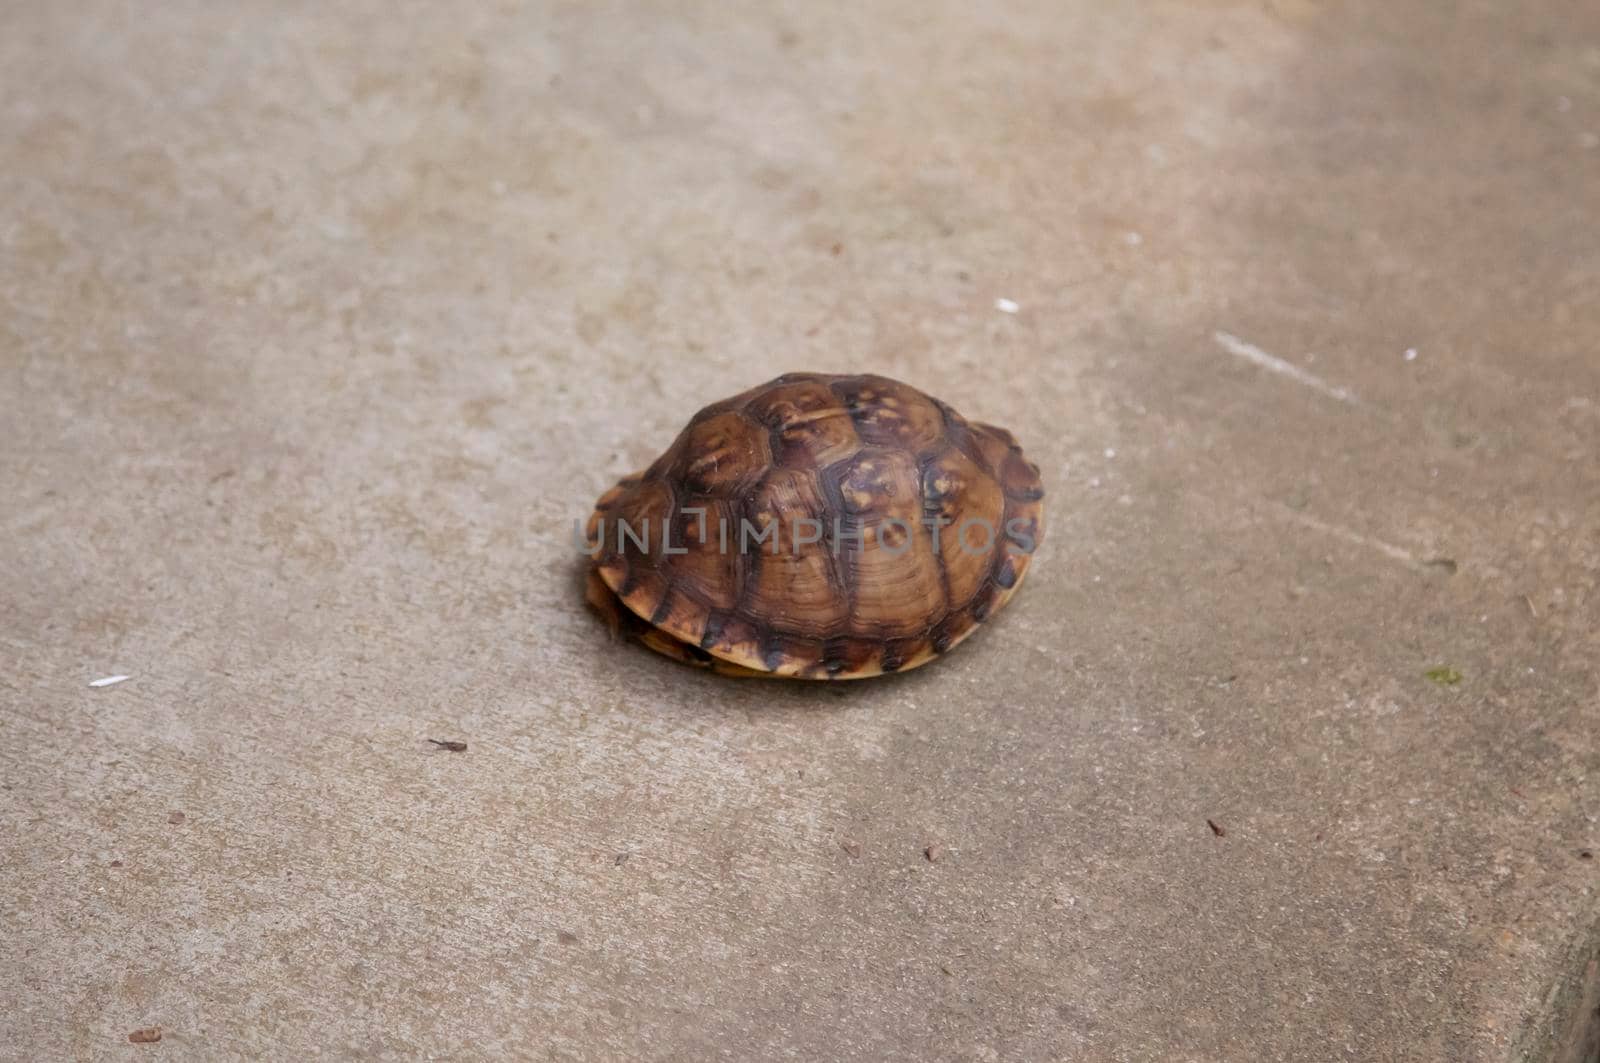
(1251, 353)
(1389, 550)
(110, 680)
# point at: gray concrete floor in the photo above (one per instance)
(319, 324)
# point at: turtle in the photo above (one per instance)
(816, 526)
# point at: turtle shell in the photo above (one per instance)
(817, 527)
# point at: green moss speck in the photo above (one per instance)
(1444, 675)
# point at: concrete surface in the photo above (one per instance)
(321, 323)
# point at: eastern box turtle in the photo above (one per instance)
(817, 527)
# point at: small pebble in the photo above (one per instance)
(933, 852)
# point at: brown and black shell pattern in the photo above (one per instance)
(878, 456)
